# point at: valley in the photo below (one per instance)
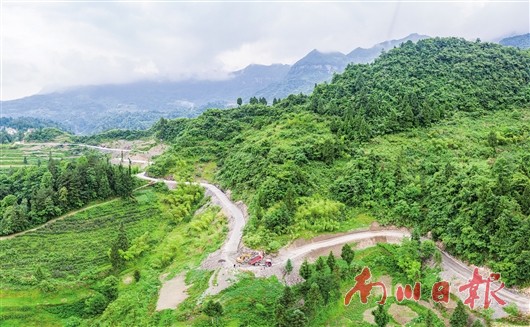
(222, 260)
(415, 166)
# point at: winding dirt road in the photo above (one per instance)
(96, 147)
(453, 270)
(236, 218)
(223, 260)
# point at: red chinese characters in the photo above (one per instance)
(407, 293)
(364, 287)
(473, 286)
(440, 292)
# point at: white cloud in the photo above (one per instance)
(56, 45)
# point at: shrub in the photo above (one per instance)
(73, 322)
(47, 286)
(95, 304)
(109, 288)
(511, 309)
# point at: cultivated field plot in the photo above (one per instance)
(72, 253)
(19, 155)
(78, 244)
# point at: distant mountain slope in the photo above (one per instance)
(137, 105)
(364, 56)
(25, 123)
(317, 67)
(91, 109)
(518, 41)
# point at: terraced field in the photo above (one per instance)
(13, 155)
(77, 245)
(72, 254)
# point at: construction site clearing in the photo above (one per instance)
(254, 258)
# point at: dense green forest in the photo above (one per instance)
(432, 135)
(46, 135)
(33, 195)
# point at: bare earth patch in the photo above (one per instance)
(402, 314)
(368, 316)
(172, 293)
(127, 280)
(377, 292)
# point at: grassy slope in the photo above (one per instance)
(185, 247)
(73, 255)
(76, 247)
(72, 252)
(463, 137)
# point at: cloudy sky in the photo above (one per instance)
(52, 45)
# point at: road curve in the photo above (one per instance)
(230, 247)
(453, 270)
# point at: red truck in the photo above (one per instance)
(258, 258)
(255, 260)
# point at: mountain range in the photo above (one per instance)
(92, 109)
(518, 41)
(317, 67)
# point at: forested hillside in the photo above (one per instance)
(419, 84)
(16, 129)
(432, 135)
(32, 195)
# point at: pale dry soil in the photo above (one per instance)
(173, 292)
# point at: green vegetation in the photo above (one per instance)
(34, 195)
(76, 247)
(48, 134)
(347, 253)
(432, 135)
(213, 310)
(419, 84)
(74, 259)
(16, 155)
(266, 302)
(18, 129)
(459, 317)
(381, 316)
(89, 294)
(114, 134)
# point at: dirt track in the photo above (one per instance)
(224, 258)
